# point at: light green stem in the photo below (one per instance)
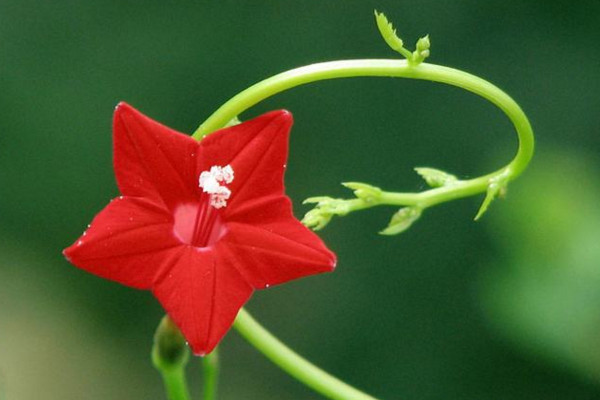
(175, 383)
(393, 68)
(170, 355)
(260, 338)
(298, 367)
(210, 372)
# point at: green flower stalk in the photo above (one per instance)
(444, 187)
(170, 355)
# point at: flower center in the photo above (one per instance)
(199, 224)
(213, 182)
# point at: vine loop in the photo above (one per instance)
(443, 186)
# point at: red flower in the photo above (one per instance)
(200, 224)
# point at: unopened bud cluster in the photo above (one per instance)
(326, 207)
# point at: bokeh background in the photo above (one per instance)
(508, 307)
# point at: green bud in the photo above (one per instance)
(363, 191)
(316, 219)
(402, 220)
(318, 200)
(329, 205)
(422, 50)
(435, 177)
(423, 44)
(326, 207)
(170, 350)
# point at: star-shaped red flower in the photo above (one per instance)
(200, 224)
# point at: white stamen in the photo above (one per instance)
(228, 174)
(217, 172)
(218, 202)
(224, 192)
(210, 180)
(219, 199)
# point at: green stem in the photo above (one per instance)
(170, 355)
(260, 338)
(298, 367)
(210, 372)
(175, 383)
(393, 68)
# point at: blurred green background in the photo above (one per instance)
(506, 308)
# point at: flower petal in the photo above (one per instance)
(256, 149)
(126, 242)
(152, 160)
(133, 240)
(202, 293)
(275, 250)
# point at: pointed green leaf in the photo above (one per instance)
(435, 177)
(494, 190)
(402, 220)
(233, 122)
(388, 32)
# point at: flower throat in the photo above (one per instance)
(199, 224)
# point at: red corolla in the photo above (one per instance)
(200, 224)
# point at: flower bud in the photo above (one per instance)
(423, 44)
(170, 350)
(316, 219)
(435, 177)
(363, 191)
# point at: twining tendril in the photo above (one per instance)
(443, 186)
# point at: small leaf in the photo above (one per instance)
(435, 177)
(233, 122)
(388, 32)
(494, 190)
(402, 220)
